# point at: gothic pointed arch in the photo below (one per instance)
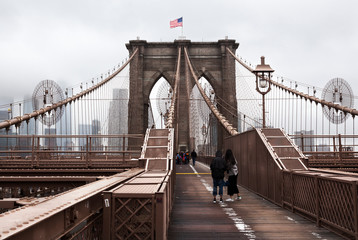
(159, 59)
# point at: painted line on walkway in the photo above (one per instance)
(316, 235)
(239, 222)
(203, 165)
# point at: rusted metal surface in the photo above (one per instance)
(65, 211)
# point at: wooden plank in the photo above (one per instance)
(194, 216)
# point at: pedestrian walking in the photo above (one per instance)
(193, 156)
(218, 168)
(233, 173)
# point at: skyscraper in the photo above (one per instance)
(118, 116)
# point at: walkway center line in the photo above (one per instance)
(239, 222)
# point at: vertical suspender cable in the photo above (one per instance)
(301, 120)
(353, 134)
(292, 100)
(286, 110)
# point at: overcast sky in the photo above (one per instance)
(72, 41)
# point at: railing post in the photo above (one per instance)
(90, 152)
(123, 148)
(302, 143)
(107, 215)
(33, 151)
(160, 216)
(292, 190)
(86, 156)
(340, 150)
(282, 188)
(355, 208)
(334, 150)
(317, 200)
(37, 153)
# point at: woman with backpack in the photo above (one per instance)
(232, 171)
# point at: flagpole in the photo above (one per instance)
(182, 27)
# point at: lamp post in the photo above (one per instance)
(204, 131)
(263, 83)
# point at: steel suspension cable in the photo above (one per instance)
(17, 120)
(323, 102)
(169, 123)
(233, 108)
(235, 115)
(228, 127)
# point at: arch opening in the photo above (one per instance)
(203, 124)
(159, 103)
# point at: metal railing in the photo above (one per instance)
(61, 150)
(329, 150)
(329, 198)
(330, 202)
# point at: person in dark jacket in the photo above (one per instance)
(193, 156)
(233, 172)
(218, 167)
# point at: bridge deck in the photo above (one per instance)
(194, 215)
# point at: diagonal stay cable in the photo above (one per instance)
(323, 102)
(36, 113)
(169, 123)
(235, 115)
(228, 127)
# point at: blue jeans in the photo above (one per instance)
(193, 161)
(218, 183)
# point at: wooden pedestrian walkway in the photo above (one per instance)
(195, 216)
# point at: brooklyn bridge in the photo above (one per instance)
(98, 160)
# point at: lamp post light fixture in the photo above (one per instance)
(263, 83)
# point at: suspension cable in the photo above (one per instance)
(228, 127)
(323, 102)
(169, 123)
(34, 114)
(235, 115)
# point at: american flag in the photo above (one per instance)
(176, 23)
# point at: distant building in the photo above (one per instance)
(6, 143)
(84, 129)
(96, 130)
(322, 148)
(118, 117)
(50, 143)
(308, 142)
(27, 128)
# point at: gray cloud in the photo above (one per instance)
(72, 41)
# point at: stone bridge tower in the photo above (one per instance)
(158, 59)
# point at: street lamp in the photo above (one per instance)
(263, 83)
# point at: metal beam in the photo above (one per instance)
(65, 211)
